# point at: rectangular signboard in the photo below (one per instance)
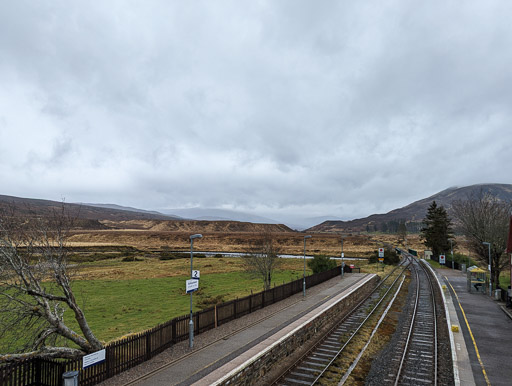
(195, 275)
(381, 252)
(93, 359)
(381, 259)
(442, 259)
(192, 285)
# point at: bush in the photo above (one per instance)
(131, 258)
(321, 263)
(390, 257)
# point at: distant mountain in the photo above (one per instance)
(211, 214)
(129, 209)
(414, 213)
(30, 206)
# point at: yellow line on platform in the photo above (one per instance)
(470, 333)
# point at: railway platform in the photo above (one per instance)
(211, 364)
(484, 341)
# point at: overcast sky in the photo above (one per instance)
(342, 108)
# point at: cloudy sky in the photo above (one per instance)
(278, 108)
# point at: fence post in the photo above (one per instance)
(234, 307)
(173, 328)
(37, 371)
(148, 345)
(108, 361)
(250, 303)
(197, 323)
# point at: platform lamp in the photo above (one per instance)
(490, 268)
(191, 323)
(304, 274)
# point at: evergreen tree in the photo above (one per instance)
(437, 232)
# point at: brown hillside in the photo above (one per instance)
(195, 226)
(34, 207)
(416, 211)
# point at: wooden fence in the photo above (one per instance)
(133, 350)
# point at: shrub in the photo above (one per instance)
(390, 257)
(321, 263)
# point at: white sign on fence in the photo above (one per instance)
(192, 285)
(93, 359)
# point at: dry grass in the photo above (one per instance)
(290, 242)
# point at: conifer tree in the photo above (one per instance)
(437, 232)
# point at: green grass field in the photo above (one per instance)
(117, 308)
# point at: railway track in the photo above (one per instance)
(310, 368)
(414, 353)
(416, 358)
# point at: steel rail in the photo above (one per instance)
(357, 330)
(330, 331)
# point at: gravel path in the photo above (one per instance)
(181, 349)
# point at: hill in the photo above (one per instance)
(413, 214)
(36, 207)
(196, 226)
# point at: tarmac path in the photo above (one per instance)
(489, 343)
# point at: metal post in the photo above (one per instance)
(191, 322)
(451, 248)
(304, 274)
(490, 268)
(342, 259)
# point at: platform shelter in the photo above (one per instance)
(477, 281)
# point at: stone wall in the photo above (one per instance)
(250, 374)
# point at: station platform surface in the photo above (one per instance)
(483, 344)
(211, 363)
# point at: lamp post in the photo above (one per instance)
(191, 323)
(304, 274)
(342, 259)
(490, 268)
(451, 249)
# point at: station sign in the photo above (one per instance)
(93, 359)
(192, 285)
(442, 259)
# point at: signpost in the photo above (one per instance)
(381, 257)
(191, 287)
(442, 259)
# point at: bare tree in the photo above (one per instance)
(262, 258)
(35, 290)
(484, 218)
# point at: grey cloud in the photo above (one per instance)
(271, 107)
